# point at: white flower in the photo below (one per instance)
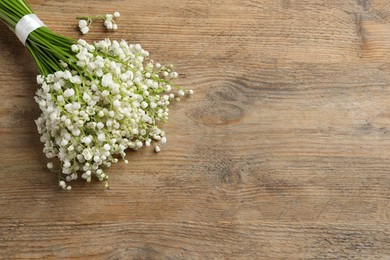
(69, 92)
(100, 125)
(138, 47)
(86, 97)
(86, 139)
(62, 184)
(87, 154)
(105, 93)
(64, 142)
(83, 23)
(50, 165)
(40, 79)
(84, 30)
(57, 86)
(109, 24)
(102, 137)
(116, 103)
(107, 80)
(144, 104)
(180, 93)
(117, 14)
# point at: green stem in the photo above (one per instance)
(46, 47)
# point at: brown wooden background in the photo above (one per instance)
(283, 152)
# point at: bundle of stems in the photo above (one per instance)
(46, 47)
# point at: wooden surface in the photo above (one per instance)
(282, 153)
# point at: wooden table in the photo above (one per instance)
(282, 153)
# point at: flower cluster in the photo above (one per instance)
(97, 100)
(109, 21)
(83, 25)
(113, 101)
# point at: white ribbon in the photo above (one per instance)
(27, 25)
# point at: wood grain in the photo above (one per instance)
(282, 153)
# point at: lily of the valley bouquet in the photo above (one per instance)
(97, 100)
